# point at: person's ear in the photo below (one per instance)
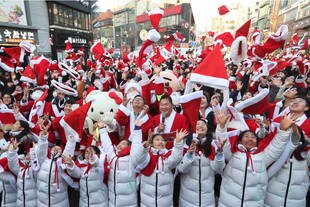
(306, 108)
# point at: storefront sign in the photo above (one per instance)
(77, 40)
(14, 36)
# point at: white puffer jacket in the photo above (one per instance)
(9, 192)
(122, 175)
(245, 179)
(197, 179)
(52, 182)
(26, 182)
(93, 192)
(289, 186)
(157, 189)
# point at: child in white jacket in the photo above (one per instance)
(90, 171)
(198, 167)
(156, 165)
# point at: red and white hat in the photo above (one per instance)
(27, 46)
(190, 104)
(211, 71)
(40, 64)
(155, 17)
(146, 48)
(225, 38)
(6, 115)
(133, 84)
(257, 104)
(223, 10)
(97, 49)
(165, 53)
(64, 88)
(68, 46)
(239, 49)
(178, 37)
(256, 37)
(244, 29)
(16, 53)
(69, 70)
(29, 75)
(73, 122)
(8, 64)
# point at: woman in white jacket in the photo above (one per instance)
(245, 179)
(155, 165)
(288, 185)
(52, 181)
(8, 182)
(90, 171)
(25, 169)
(122, 175)
(198, 168)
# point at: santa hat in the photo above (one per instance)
(40, 65)
(133, 84)
(37, 109)
(191, 104)
(256, 36)
(257, 104)
(69, 70)
(88, 63)
(29, 75)
(6, 115)
(68, 46)
(64, 88)
(243, 30)
(294, 40)
(211, 33)
(239, 49)
(178, 37)
(81, 50)
(79, 69)
(8, 64)
(247, 63)
(27, 46)
(153, 37)
(306, 44)
(237, 121)
(73, 122)
(225, 38)
(16, 53)
(211, 71)
(97, 49)
(223, 10)
(265, 69)
(4, 163)
(165, 53)
(155, 17)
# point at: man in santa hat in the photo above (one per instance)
(56, 107)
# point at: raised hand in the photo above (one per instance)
(220, 143)
(125, 100)
(15, 109)
(67, 160)
(138, 122)
(45, 129)
(180, 135)
(286, 122)
(222, 118)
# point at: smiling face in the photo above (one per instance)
(137, 104)
(7, 99)
(16, 127)
(89, 153)
(298, 105)
(165, 106)
(159, 142)
(201, 128)
(122, 145)
(291, 93)
(249, 140)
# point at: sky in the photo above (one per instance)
(203, 10)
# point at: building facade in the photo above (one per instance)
(69, 20)
(103, 29)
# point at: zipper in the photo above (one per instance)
(244, 181)
(49, 183)
(288, 184)
(87, 193)
(24, 196)
(115, 181)
(156, 181)
(199, 182)
(4, 194)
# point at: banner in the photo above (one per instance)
(13, 11)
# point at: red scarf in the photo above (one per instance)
(149, 169)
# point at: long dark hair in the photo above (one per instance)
(297, 152)
(206, 146)
(24, 132)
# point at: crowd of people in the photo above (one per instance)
(225, 128)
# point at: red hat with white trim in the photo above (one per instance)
(29, 75)
(97, 49)
(257, 104)
(244, 29)
(64, 88)
(225, 38)
(178, 37)
(68, 46)
(146, 48)
(27, 46)
(211, 71)
(64, 67)
(239, 49)
(73, 122)
(155, 17)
